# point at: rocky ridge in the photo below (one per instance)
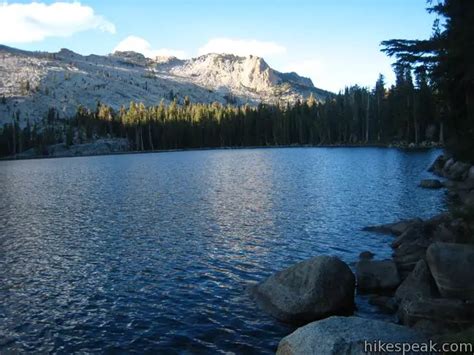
(32, 82)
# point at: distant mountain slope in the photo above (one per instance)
(32, 82)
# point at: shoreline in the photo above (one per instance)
(426, 285)
(131, 152)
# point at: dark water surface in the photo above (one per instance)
(152, 252)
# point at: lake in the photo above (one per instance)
(152, 252)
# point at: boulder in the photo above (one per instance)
(412, 233)
(344, 336)
(431, 184)
(418, 285)
(465, 186)
(411, 247)
(366, 255)
(436, 220)
(373, 275)
(451, 266)
(438, 164)
(470, 173)
(468, 199)
(396, 228)
(408, 254)
(458, 171)
(456, 231)
(313, 289)
(406, 264)
(444, 234)
(464, 336)
(449, 163)
(442, 312)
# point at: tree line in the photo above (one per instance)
(408, 111)
(448, 59)
(432, 99)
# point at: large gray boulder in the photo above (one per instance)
(346, 336)
(374, 275)
(439, 312)
(452, 268)
(313, 289)
(418, 285)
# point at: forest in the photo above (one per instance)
(431, 100)
(409, 111)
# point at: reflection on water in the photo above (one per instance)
(152, 252)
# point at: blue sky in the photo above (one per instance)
(336, 43)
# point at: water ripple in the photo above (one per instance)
(149, 253)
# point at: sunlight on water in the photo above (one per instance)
(149, 252)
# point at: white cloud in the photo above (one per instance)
(242, 47)
(23, 23)
(140, 45)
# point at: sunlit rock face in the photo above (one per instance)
(32, 82)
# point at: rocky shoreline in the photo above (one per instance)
(428, 284)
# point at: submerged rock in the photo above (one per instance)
(452, 268)
(373, 275)
(431, 184)
(312, 289)
(344, 336)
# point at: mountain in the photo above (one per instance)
(32, 82)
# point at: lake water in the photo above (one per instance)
(152, 252)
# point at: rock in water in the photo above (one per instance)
(431, 184)
(438, 164)
(375, 275)
(396, 228)
(344, 336)
(451, 266)
(366, 255)
(312, 289)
